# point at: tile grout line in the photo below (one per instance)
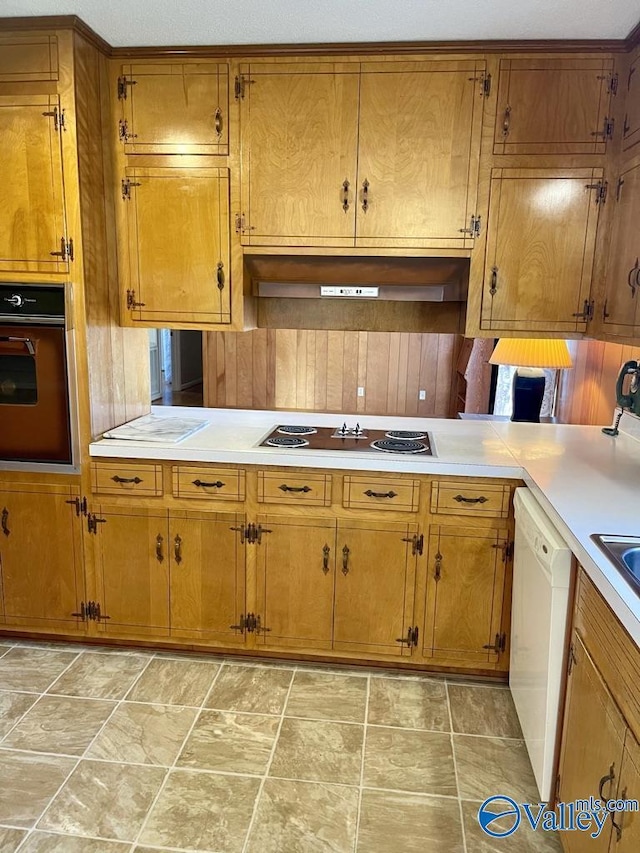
(364, 746)
(173, 766)
(455, 771)
(256, 805)
(38, 695)
(80, 758)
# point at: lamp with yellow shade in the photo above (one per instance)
(530, 357)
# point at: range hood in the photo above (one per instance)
(384, 279)
(358, 293)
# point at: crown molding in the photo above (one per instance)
(633, 39)
(57, 22)
(73, 22)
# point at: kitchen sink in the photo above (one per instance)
(624, 553)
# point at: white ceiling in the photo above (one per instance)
(190, 22)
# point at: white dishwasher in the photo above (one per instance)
(541, 577)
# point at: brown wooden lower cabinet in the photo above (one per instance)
(180, 572)
(466, 569)
(592, 748)
(131, 561)
(227, 571)
(296, 568)
(600, 755)
(626, 834)
(207, 575)
(375, 587)
(41, 567)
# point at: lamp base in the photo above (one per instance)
(528, 392)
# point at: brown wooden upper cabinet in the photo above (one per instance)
(371, 155)
(175, 267)
(32, 217)
(631, 128)
(28, 57)
(540, 249)
(554, 106)
(620, 314)
(299, 131)
(177, 108)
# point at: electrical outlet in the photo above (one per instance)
(422, 394)
(360, 391)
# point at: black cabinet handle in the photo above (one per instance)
(326, 551)
(159, 553)
(345, 560)
(610, 777)
(371, 494)
(493, 281)
(117, 479)
(285, 488)
(461, 499)
(3, 522)
(203, 485)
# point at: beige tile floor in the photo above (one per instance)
(111, 751)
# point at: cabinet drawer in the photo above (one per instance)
(126, 478)
(284, 488)
(223, 484)
(470, 497)
(381, 493)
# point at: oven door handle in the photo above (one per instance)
(26, 341)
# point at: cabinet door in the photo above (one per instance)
(553, 106)
(177, 108)
(418, 150)
(178, 241)
(207, 571)
(623, 267)
(631, 128)
(625, 837)
(296, 578)
(540, 248)
(32, 222)
(132, 569)
(465, 589)
(299, 137)
(592, 738)
(29, 57)
(375, 587)
(41, 557)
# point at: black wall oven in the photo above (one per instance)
(35, 419)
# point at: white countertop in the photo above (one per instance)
(586, 481)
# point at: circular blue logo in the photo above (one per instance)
(499, 809)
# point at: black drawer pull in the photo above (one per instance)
(285, 488)
(117, 479)
(201, 485)
(371, 494)
(462, 500)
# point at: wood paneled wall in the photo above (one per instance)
(118, 358)
(587, 392)
(322, 370)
